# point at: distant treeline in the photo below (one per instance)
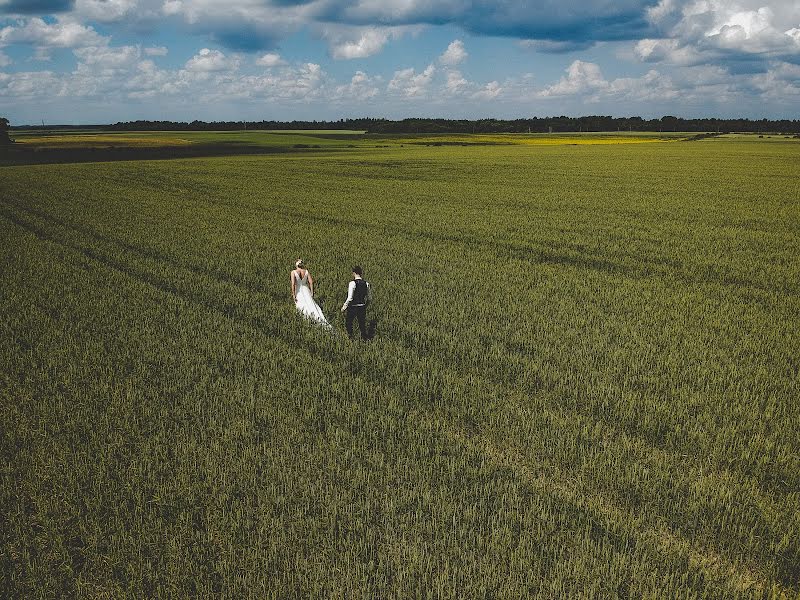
(533, 125)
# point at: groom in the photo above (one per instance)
(359, 294)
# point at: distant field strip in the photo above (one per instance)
(583, 382)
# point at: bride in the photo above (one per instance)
(303, 294)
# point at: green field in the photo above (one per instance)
(327, 139)
(584, 380)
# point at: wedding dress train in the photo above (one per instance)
(305, 301)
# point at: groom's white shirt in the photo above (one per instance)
(351, 290)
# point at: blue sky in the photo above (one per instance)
(96, 61)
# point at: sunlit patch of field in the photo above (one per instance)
(533, 139)
(102, 141)
(760, 138)
(324, 139)
(167, 139)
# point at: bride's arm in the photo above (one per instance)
(294, 291)
(311, 283)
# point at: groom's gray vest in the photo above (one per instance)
(360, 293)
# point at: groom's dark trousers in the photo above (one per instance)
(360, 313)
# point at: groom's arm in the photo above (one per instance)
(350, 289)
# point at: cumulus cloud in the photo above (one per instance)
(368, 43)
(581, 77)
(694, 32)
(347, 42)
(30, 84)
(108, 57)
(211, 77)
(455, 83)
(667, 50)
(585, 80)
(455, 54)
(172, 7)
(248, 25)
(63, 33)
(653, 86)
(780, 82)
(409, 83)
(156, 51)
(489, 92)
(362, 87)
(212, 60)
(271, 59)
(105, 10)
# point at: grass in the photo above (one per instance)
(316, 139)
(584, 380)
(160, 139)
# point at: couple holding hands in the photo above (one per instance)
(359, 294)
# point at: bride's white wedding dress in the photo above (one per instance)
(305, 301)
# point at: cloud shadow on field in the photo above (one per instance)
(14, 155)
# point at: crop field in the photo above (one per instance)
(328, 139)
(583, 381)
(105, 139)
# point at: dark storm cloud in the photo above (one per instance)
(244, 38)
(566, 20)
(562, 25)
(36, 7)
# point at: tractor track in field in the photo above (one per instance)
(685, 548)
(404, 338)
(541, 254)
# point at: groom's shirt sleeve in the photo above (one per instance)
(350, 289)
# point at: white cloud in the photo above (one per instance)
(668, 50)
(455, 83)
(108, 57)
(105, 10)
(172, 7)
(30, 84)
(64, 33)
(585, 80)
(302, 83)
(156, 51)
(244, 24)
(409, 83)
(362, 87)
(782, 81)
(348, 42)
(581, 77)
(651, 87)
(371, 41)
(704, 31)
(455, 54)
(212, 60)
(5, 61)
(271, 59)
(490, 91)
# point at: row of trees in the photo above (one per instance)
(533, 125)
(4, 139)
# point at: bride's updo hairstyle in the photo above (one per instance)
(300, 264)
